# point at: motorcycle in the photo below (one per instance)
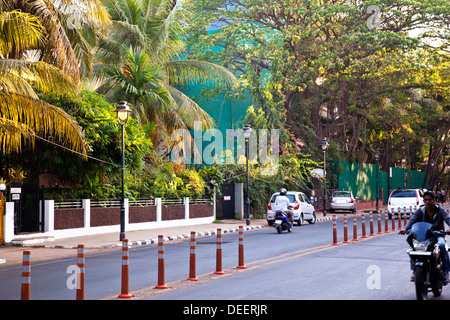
(426, 258)
(282, 222)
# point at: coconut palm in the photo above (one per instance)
(72, 29)
(22, 114)
(153, 26)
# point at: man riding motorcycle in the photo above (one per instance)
(282, 203)
(436, 216)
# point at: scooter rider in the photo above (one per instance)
(435, 215)
(282, 203)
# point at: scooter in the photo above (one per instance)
(282, 222)
(426, 258)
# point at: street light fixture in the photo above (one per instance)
(324, 146)
(377, 158)
(123, 112)
(247, 131)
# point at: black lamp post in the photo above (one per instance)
(324, 146)
(377, 158)
(405, 174)
(122, 117)
(247, 131)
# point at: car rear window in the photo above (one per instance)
(342, 194)
(291, 197)
(404, 194)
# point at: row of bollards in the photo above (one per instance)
(405, 213)
(125, 287)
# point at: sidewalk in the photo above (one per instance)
(61, 248)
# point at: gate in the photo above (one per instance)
(229, 201)
(26, 207)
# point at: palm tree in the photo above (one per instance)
(153, 27)
(72, 30)
(22, 114)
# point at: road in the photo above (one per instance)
(298, 265)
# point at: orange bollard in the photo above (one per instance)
(363, 225)
(26, 276)
(335, 243)
(393, 222)
(241, 248)
(125, 289)
(386, 222)
(355, 229)
(399, 218)
(405, 218)
(82, 267)
(161, 272)
(372, 233)
(345, 229)
(192, 276)
(379, 222)
(219, 253)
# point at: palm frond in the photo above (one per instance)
(19, 31)
(189, 111)
(46, 120)
(43, 76)
(12, 133)
(184, 72)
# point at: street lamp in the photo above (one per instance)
(123, 112)
(377, 158)
(247, 131)
(324, 146)
(404, 171)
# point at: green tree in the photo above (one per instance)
(155, 27)
(325, 64)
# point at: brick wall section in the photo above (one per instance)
(69, 218)
(173, 212)
(142, 214)
(200, 210)
(105, 216)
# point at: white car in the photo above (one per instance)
(401, 198)
(302, 207)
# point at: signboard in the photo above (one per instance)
(16, 190)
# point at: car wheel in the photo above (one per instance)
(300, 220)
(270, 223)
(314, 219)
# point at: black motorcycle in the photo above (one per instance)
(426, 258)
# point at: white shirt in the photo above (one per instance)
(282, 203)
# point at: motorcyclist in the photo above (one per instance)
(435, 215)
(282, 203)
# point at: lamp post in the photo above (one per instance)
(324, 146)
(122, 111)
(404, 171)
(247, 131)
(377, 158)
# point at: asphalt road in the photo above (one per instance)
(298, 265)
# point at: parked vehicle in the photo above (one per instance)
(343, 200)
(401, 198)
(282, 221)
(302, 208)
(426, 259)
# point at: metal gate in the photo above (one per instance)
(26, 207)
(229, 201)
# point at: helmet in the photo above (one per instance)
(283, 191)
